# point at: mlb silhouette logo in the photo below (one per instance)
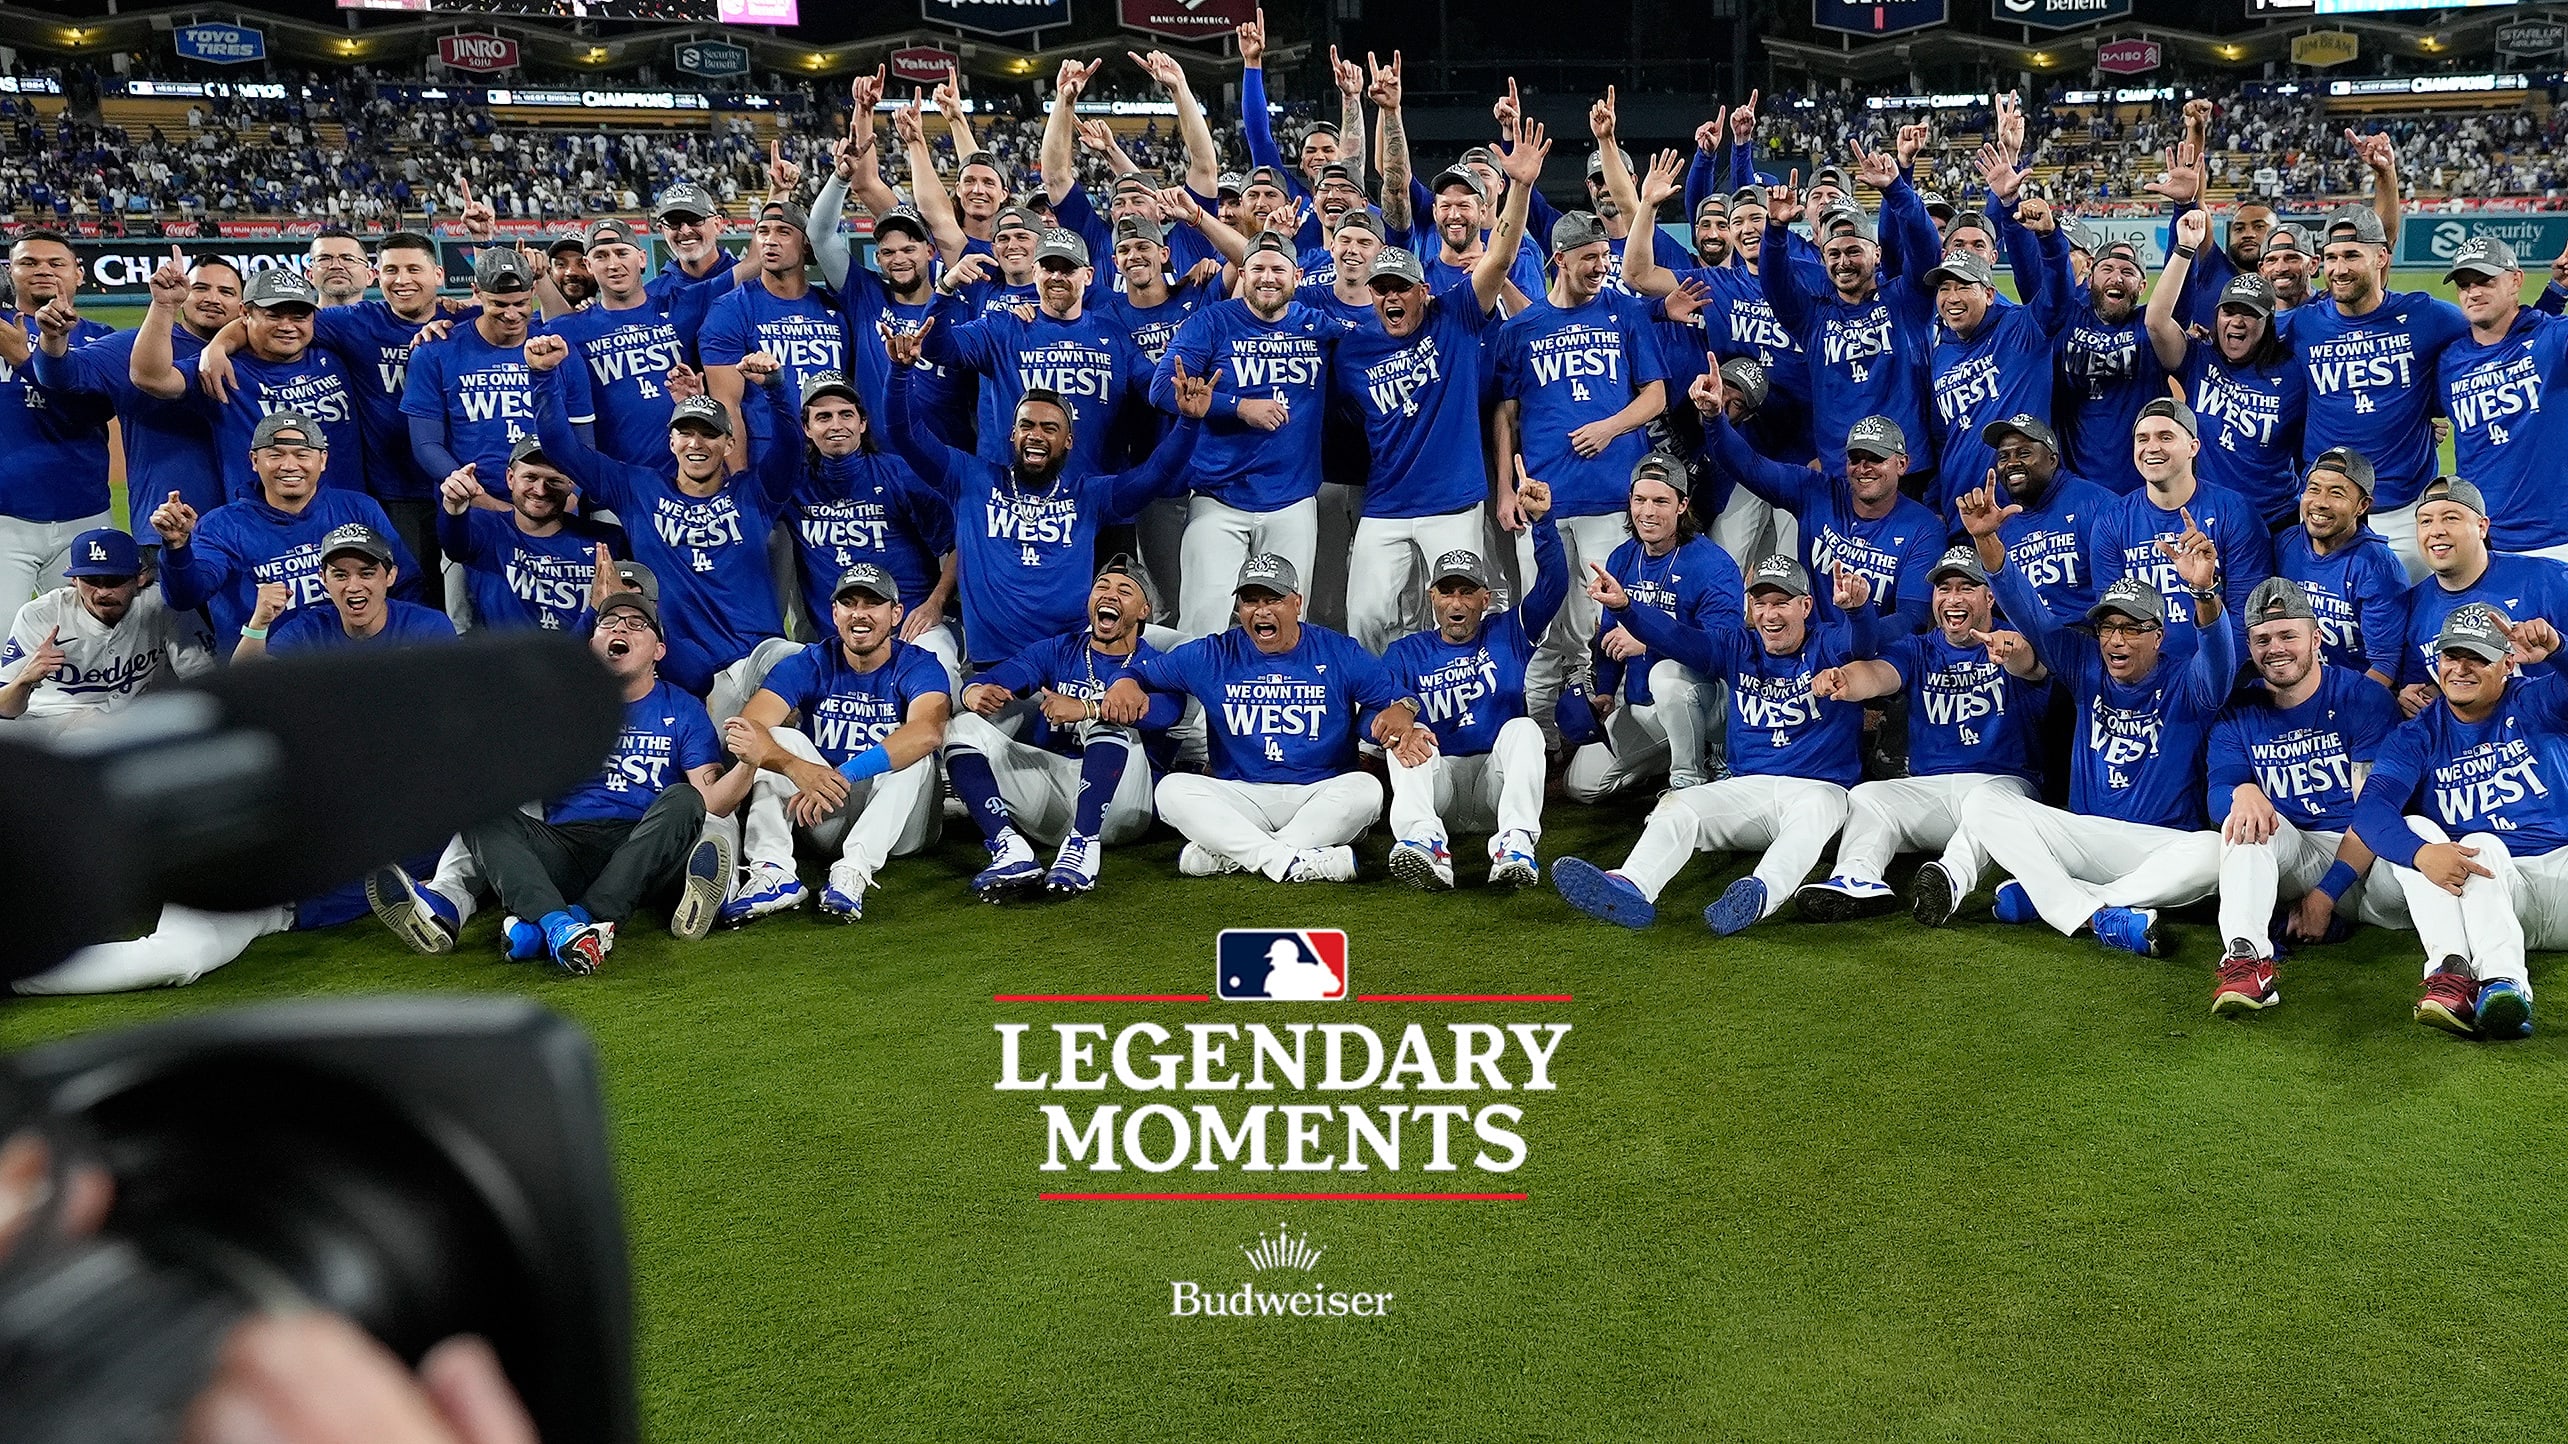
(1260, 965)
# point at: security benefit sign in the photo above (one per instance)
(1877, 17)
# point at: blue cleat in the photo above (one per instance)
(2014, 904)
(423, 920)
(519, 940)
(2133, 930)
(1740, 904)
(841, 906)
(1607, 896)
(1012, 868)
(765, 888)
(1074, 868)
(2505, 1011)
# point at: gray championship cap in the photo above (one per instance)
(2248, 292)
(529, 447)
(2175, 411)
(1596, 161)
(500, 271)
(1138, 228)
(1479, 155)
(1271, 177)
(1969, 221)
(1267, 572)
(1061, 244)
(2077, 237)
(686, 198)
(1715, 202)
(575, 241)
(1664, 467)
(704, 411)
(2356, 223)
(1958, 562)
(1876, 436)
(1231, 184)
(612, 231)
(1575, 229)
(868, 578)
(2285, 238)
(1396, 263)
(1832, 175)
(1745, 377)
(1358, 218)
(289, 426)
(2353, 465)
(899, 218)
(1018, 218)
(828, 383)
(2130, 597)
(1780, 573)
(1843, 221)
(2483, 256)
(2123, 251)
(1276, 241)
(2478, 630)
(2031, 428)
(640, 604)
(2278, 599)
(1938, 207)
(1459, 175)
(1460, 566)
(357, 539)
(1334, 171)
(281, 286)
(2454, 489)
(1748, 196)
(786, 211)
(1965, 266)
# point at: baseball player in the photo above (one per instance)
(1792, 752)
(167, 446)
(2451, 519)
(571, 877)
(859, 773)
(2144, 711)
(1991, 361)
(1338, 284)
(1971, 724)
(221, 562)
(55, 441)
(279, 369)
(2286, 761)
(2287, 266)
(2173, 500)
(467, 397)
(1069, 776)
(625, 348)
(75, 653)
(357, 575)
(2108, 368)
(531, 565)
(2495, 380)
(2050, 529)
(2242, 382)
(2483, 857)
(1656, 709)
(2354, 584)
(700, 272)
(1079, 353)
(779, 313)
(569, 269)
(1468, 673)
(1280, 695)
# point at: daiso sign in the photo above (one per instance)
(487, 54)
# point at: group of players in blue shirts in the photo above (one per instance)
(1780, 513)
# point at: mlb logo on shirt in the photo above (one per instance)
(1258, 965)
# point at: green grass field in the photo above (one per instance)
(1867, 1182)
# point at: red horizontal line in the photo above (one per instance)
(1463, 998)
(1101, 997)
(1281, 1197)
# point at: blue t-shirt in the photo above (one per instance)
(944, 397)
(685, 299)
(804, 334)
(2373, 385)
(372, 343)
(55, 442)
(2501, 775)
(845, 711)
(1966, 714)
(241, 544)
(621, 386)
(2521, 587)
(1778, 727)
(2304, 757)
(2107, 372)
(167, 445)
(1866, 358)
(1466, 691)
(864, 507)
(1284, 360)
(2251, 418)
(2052, 543)
(1419, 396)
(481, 395)
(665, 736)
(519, 581)
(1089, 359)
(2503, 439)
(1894, 551)
(2003, 368)
(2126, 544)
(1695, 584)
(1288, 717)
(2360, 593)
(1070, 665)
(1568, 367)
(317, 385)
(1741, 322)
(318, 628)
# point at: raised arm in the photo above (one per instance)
(1351, 85)
(600, 478)
(1399, 212)
(1256, 128)
(2166, 333)
(1203, 158)
(1060, 150)
(1793, 296)
(948, 101)
(154, 369)
(1523, 162)
(2382, 158)
(1642, 273)
(927, 191)
(1548, 591)
(937, 464)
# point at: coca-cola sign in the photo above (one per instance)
(485, 54)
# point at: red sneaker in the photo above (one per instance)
(2245, 983)
(2450, 999)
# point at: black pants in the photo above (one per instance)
(415, 523)
(540, 867)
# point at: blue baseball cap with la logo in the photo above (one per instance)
(104, 552)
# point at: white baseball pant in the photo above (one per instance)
(1219, 538)
(1666, 736)
(1041, 787)
(1563, 652)
(1750, 530)
(1916, 814)
(1263, 825)
(33, 554)
(1791, 818)
(1498, 791)
(732, 688)
(2399, 529)
(183, 946)
(891, 815)
(2256, 876)
(1386, 571)
(2071, 864)
(2495, 919)
(458, 878)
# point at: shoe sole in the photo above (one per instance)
(1583, 886)
(2435, 1015)
(1734, 911)
(1930, 899)
(2503, 1016)
(999, 890)
(1059, 887)
(2230, 1005)
(2150, 945)
(701, 903)
(1514, 875)
(1417, 869)
(1822, 904)
(411, 922)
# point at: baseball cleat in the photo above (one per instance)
(765, 888)
(2014, 904)
(1322, 864)
(1606, 896)
(2245, 982)
(424, 921)
(1932, 898)
(2505, 1011)
(1074, 868)
(1514, 866)
(519, 940)
(1689, 777)
(1012, 868)
(842, 906)
(2450, 999)
(1197, 860)
(581, 948)
(1427, 866)
(1740, 904)
(1844, 899)
(707, 883)
(2132, 930)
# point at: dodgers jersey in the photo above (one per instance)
(2126, 544)
(1966, 714)
(2309, 759)
(1089, 359)
(665, 736)
(2107, 371)
(1419, 396)
(2502, 438)
(2501, 775)
(1567, 367)
(2520, 587)
(241, 544)
(316, 385)
(102, 666)
(620, 387)
(804, 333)
(55, 441)
(474, 399)
(2360, 593)
(2374, 384)
(167, 445)
(371, 342)
(1894, 551)
(845, 710)
(1866, 358)
(2002, 368)
(1466, 691)
(1778, 727)
(1285, 360)
(1071, 665)
(1696, 584)
(518, 580)
(1285, 717)
(2052, 542)
(2252, 418)
(864, 507)
(315, 629)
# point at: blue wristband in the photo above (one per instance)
(2338, 879)
(872, 762)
